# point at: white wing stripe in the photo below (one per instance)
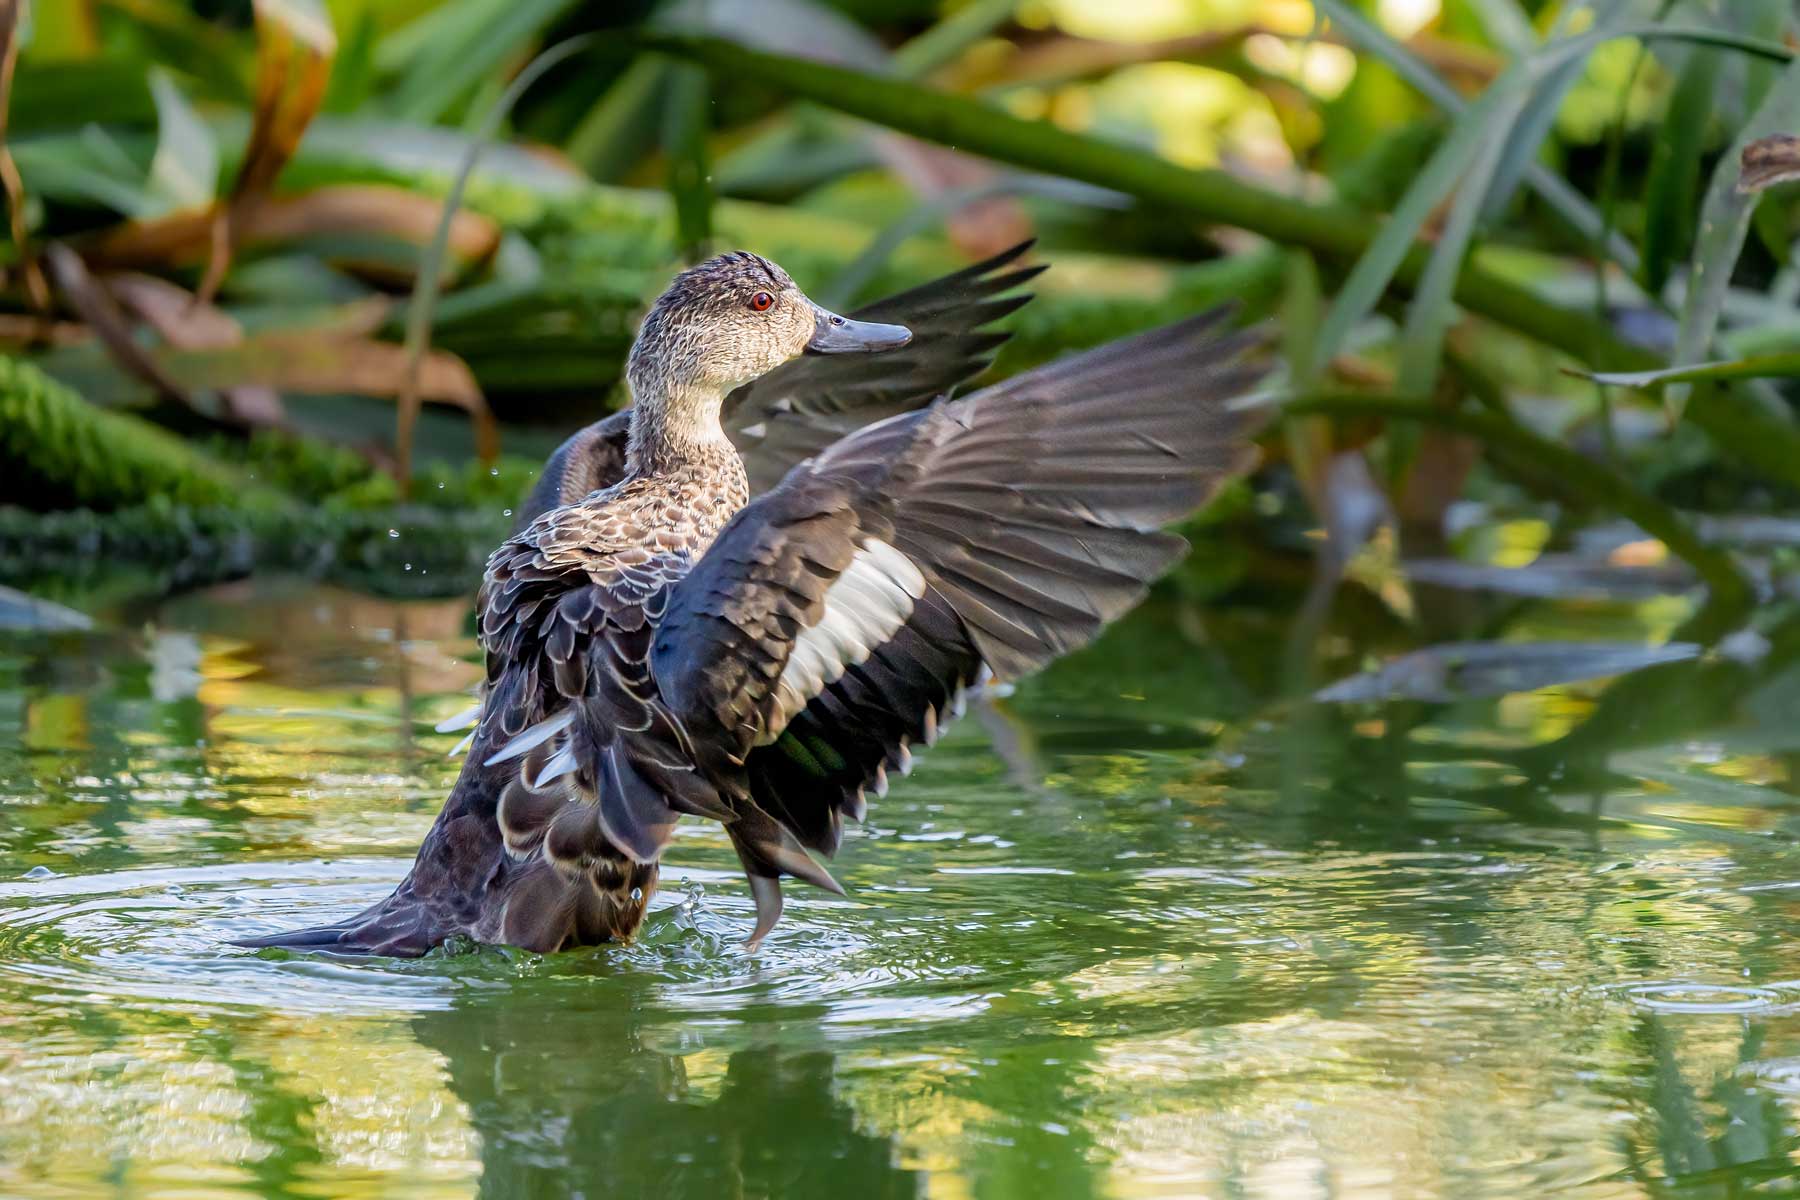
(864, 607)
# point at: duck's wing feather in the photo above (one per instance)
(802, 407)
(837, 618)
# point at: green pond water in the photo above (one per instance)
(1141, 929)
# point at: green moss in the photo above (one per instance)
(56, 449)
(407, 550)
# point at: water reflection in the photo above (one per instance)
(566, 1098)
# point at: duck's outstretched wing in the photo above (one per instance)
(837, 619)
(798, 409)
(803, 406)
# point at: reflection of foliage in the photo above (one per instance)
(1724, 1144)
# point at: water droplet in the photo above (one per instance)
(506, 512)
(393, 533)
(40, 873)
(637, 895)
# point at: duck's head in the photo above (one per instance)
(734, 318)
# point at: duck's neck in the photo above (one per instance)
(677, 435)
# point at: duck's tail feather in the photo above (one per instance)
(399, 927)
(458, 884)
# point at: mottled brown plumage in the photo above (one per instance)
(660, 645)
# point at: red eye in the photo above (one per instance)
(762, 302)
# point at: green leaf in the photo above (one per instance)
(1308, 439)
(1763, 19)
(1724, 223)
(1208, 195)
(1538, 115)
(185, 170)
(88, 168)
(1431, 311)
(1762, 366)
(460, 55)
(622, 124)
(353, 73)
(946, 41)
(425, 289)
(686, 123)
(1697, 35)
(1674, 179)
(1567, 203)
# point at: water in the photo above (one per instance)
(1139, 930)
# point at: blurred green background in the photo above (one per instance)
(367, 260)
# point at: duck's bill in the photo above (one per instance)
(840, 335)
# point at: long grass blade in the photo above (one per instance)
(451, 64)
(686, 122)
(1761, 366)
(622, 125)
(1429, 315)
(1556, 192)
(1375, 270)
(1674, 181)
(425, 291)
(184, 171)
(1333, 231)
(951, 36)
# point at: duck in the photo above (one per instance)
(752, 594)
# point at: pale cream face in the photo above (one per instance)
(767, 328)
(726, 322)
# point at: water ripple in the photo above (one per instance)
(1698, 996)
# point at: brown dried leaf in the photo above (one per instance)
(35, 286)
(184, 238)
(186, 324)
(1768, 161)
(328, 363)
(21, 330)
(95, 305)
(295, 47)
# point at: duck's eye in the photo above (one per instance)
(762, 302)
